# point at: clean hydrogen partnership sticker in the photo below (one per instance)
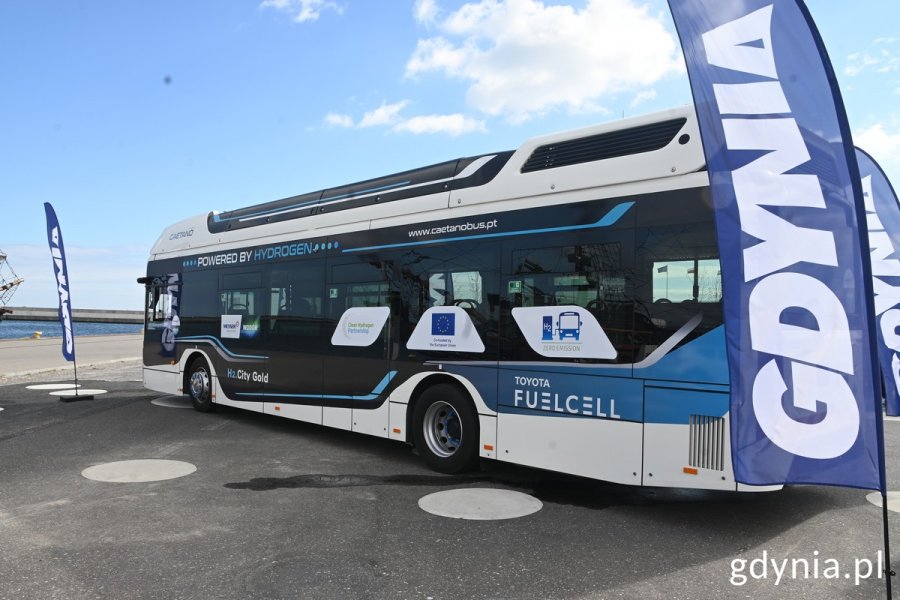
(360, 326)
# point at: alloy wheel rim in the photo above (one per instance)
(200, 384)
(443, 429)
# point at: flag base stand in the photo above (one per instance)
(76, 397)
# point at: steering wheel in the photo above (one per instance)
(472, 304)
(600, 308)
(662, 301)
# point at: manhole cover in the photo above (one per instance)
(137, 471)
(480, 504)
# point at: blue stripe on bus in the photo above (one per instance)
(374, 394)
(608, 219)
(218, 343)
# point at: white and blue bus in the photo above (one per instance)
(556, 306)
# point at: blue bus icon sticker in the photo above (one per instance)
(569, 325)
(564, 331)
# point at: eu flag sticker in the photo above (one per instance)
(443, 324)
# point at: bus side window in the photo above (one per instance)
(366, 294)
(238, 294)
(159, 304)
(692, 280)
(295, 304)
(588, 275)
(465, 276)
(358, 285)
(459, 288)
(592, 276)
(239, 302)
(678, 280)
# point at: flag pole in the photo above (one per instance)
(880, 201)
(888, 571)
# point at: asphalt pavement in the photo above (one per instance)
(280, 509)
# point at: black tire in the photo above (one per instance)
(198, 385)
(445, 429)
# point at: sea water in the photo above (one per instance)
(25, 329)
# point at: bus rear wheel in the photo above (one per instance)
(199, 386)
(445, 429)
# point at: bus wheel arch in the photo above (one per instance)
(198, 382)
(444, 424)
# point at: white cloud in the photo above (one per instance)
(883, 145)
(338, 120)
(302, 10)
(523, 58)
(643, 96)
(878, 58)
(425, 12)
(437, 54)
(386, 114)
(455, 124)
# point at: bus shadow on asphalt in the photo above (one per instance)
(700, 508)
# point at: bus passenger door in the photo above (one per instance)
(358, 359)
(295, 329)
(241, 357)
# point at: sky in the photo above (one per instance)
(130, 116)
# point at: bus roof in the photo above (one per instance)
(650, 147)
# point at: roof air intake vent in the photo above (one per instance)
(635, 140)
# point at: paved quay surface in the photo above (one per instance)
(279, 509)
(21, 357)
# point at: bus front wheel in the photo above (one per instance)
(199, 386)
(445, 429)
